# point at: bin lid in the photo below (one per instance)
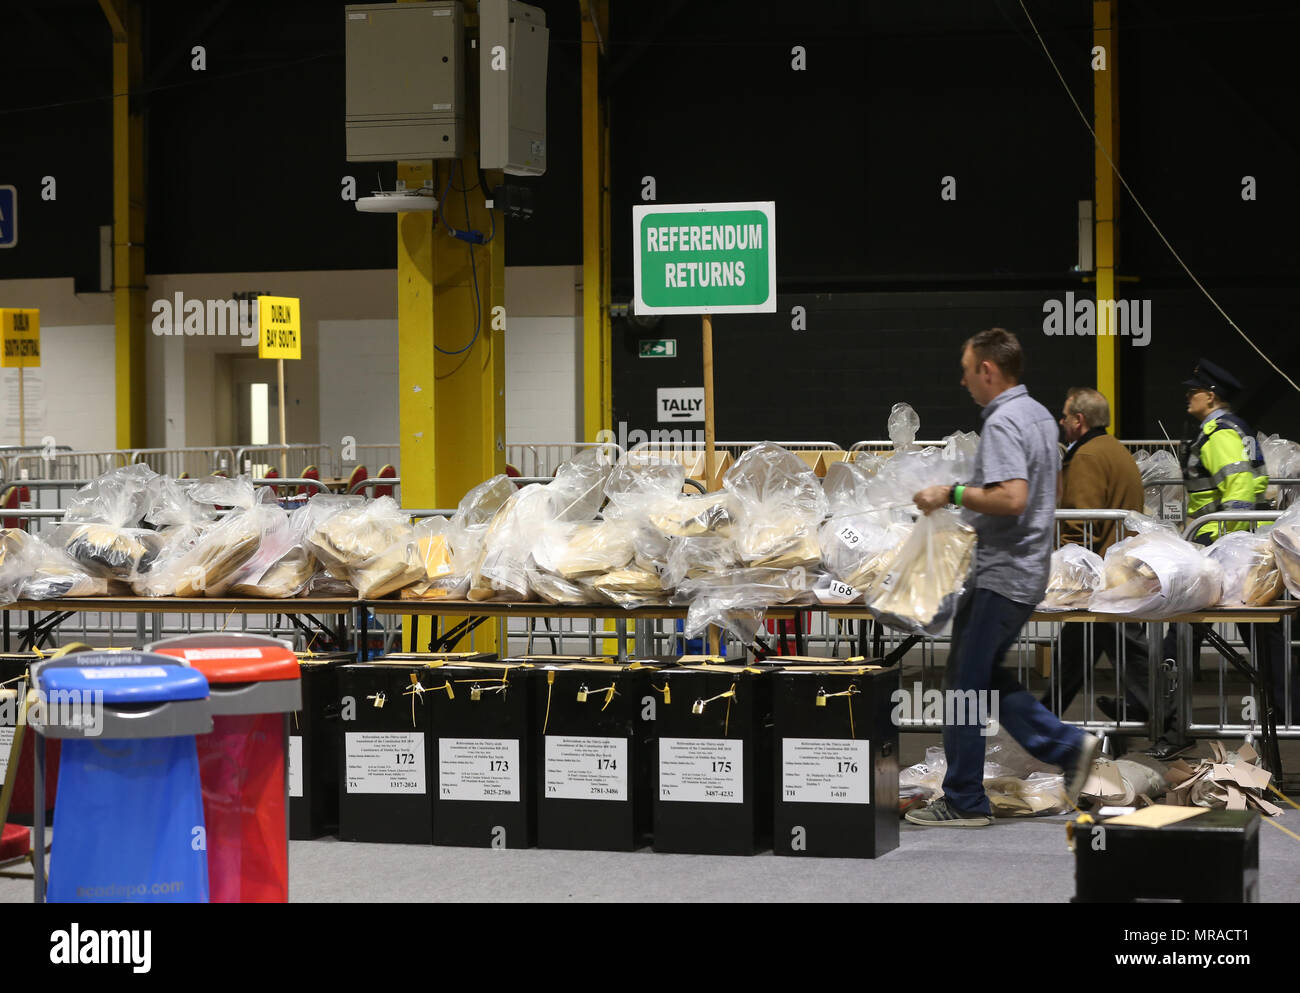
(249, 673)
(122, 677)
(233, 658)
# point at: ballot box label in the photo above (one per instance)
(825, 770)
(478, 769)
(579, 768)
(701, 770)
(295, 765)
(384, 762)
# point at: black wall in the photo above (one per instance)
(245, 160)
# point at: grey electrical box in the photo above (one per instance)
(405, 81)
(513, 44)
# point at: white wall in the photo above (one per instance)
(345, 384)
(73, 394)
(358, 382)
(541, 354)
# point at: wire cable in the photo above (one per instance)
(1155, 227)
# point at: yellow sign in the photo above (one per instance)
(22, 338)
(279, 328)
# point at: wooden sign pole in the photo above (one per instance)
(284, 451)
(709, 436)
(22, 409)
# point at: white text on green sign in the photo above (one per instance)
(705, 258)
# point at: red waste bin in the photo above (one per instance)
(255, 685)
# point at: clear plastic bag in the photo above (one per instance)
(846, 487)
(583, 548)
(209, 563)
(1160, 501)
(1281, 461)
(578, 489)
(1076, 573)
(736, 600)
(554, 589)
(119, 498)
(1156, 574)
(781, 506)
(694, 558)
(347, 538)
(927, 576)
(1285, 536)
(1251, 577)
(48, 572)
(446, 577)
(1037, 795)
(102, 526)
(501, 571)
(283, 565)
(902, 426)
(12, 542)
(628, 587)
(695, 516)
(854, 547)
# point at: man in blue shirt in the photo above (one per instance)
(1010, 503)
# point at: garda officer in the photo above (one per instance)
(1224, 468)
(1224, 471)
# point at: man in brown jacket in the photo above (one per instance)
(1098, 473)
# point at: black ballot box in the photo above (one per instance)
(386, 772)
(713, 760)
(314, 747)
(593, 761)
(835, 774)
(1211, 857)
(484, 792)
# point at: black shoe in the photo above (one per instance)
(1109, 706)
(1166, 751)
(942, 814)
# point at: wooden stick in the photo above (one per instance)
(22, 408)
(284, 452)
(709, 435)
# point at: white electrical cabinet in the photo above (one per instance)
(405, 81)
(513, 44)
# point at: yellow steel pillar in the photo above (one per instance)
(451, 358)
(124, 18)
(1105, 95)
(597, 402)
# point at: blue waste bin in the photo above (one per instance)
(128, 817)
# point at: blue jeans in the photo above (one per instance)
(985, 627)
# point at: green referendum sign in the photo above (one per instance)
(717, 258)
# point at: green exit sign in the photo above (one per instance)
(704, 258)
(659, 348)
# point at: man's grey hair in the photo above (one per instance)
(1091, 404)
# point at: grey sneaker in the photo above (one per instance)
(942, 814)
(1077, 774)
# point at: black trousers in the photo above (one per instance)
(1075, 653)
(1269, 650)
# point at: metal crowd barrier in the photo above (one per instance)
(543, 458)
(297, 458)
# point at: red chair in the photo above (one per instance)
(311, 472)
(387, 472)
(274, 473)
(12, 499)
(357, 475)
(513, 473)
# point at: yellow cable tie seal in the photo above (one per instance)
(666, 690)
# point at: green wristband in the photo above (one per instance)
(956, 494)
